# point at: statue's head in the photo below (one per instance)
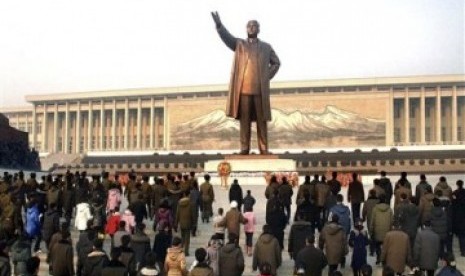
(253, 28)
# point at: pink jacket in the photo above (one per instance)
(249, 227)
(114, 199)
(128, 217)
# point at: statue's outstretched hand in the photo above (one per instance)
(216, 18)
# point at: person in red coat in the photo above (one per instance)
(113, 224)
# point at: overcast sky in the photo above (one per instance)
(69, 46)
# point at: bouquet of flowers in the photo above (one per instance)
(224, 169)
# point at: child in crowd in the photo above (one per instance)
(358, 240)
(249, 229)
(219, 230)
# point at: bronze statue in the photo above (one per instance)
(255, 64)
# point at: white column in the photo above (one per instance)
(454, 115)
(406, 117)
(152, 114)
(89, 127)
(34, 125)
(438, 115)
(139, 123)
(55, 129)
(45, 130)
(165, 126)
(126, 124)
(78, 128)
(422, 116)
(66, 132)
(102, 124)
(390, 119)
(113, 126)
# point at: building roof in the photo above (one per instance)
(164, 91)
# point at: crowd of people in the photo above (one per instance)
(36, 215)
(18, 155)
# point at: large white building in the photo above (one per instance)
(416, 110)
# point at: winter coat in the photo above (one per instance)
(355, 193)
(425, 206)
(297, 235)
(112, 224)
(381, 221)
(130, 220)
(458, 211)
(408, 216)
(358, 240)
(249, 227)
(61, 257)
(51, 224)
(303, 189)
(33, 226)
(20, 253)
(139, 210)
(334, 186)
(140, 243)
(269, 191)
(249, 202)
(321, 194)
(149, 271)
(208, 196)
(230, 260)
(175, 263)
(426, 249)
(367, 209)
(95, 262)
(161, 244)
(5, 267)
(201, 270)
(85, 245)
(421, 188)
(114, 199)
(184, 218)
(444, 188)
(163, 218)
(83, 215)
(312, 260)
(334, 241)
(399, 191)
(117, 237)
(285, 193)
(159, 192)
(128, 259)
(267, 249)
(235, 194)
(194, 197)
(386, 185)
(114, 268)
(396, 251)
(438, 220)
(232, 221)
(343, 212)
(69, 198)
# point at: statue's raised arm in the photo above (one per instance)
(227, 38)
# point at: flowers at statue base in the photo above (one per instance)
(224, 168)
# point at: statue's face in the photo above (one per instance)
(253, 28)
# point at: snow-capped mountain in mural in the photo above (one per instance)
(294, 128)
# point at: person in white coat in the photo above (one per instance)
(83, 215)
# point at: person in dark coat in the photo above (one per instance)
(161, 243)
(51, 224)
(96, 260)
(115, 267)
(311, 259)
(426, 249)
(285, 193)
(138, 208)
(343, 212)
(267, 250)
(276, 218)
(140, 243)
(194, 196)
(69, 198)
(386, 185)
(127, 255)
(358, 240)
(356, 196)
(248, 201)
(235, 194)
(5, 267)
(438, 219)
(307, 210)
(458, 215)
(151, 268)
(84, 246)
(300, 230)
(230, 257)
(61, 256)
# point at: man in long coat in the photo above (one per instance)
(255, 64)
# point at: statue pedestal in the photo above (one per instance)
(253, 163)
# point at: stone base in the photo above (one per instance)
(253, 163)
